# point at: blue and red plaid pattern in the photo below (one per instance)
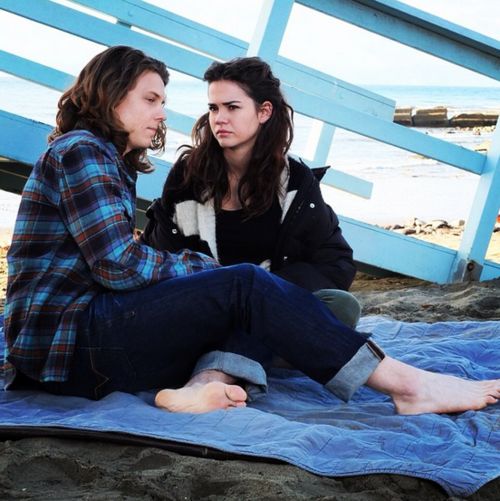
(73, 239)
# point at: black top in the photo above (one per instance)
(310, 249)
(252, 240)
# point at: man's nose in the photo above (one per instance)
(162, 114)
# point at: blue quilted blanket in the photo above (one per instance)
(301, 423)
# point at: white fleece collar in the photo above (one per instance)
(194, 218)
(285, 197)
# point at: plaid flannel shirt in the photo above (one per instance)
(73, 239)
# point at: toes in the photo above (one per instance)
(235, 405)
(235, 393)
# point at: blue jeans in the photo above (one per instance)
(154, 337)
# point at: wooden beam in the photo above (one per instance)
(418, 29)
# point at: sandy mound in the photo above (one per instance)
(412, 300)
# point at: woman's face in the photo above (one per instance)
(141, 110)
(235, 118)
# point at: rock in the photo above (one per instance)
(403, 116)
(394, 227)
(431, 117)
(411, 222)
(457, 223)
(439, 223)
(475, 119)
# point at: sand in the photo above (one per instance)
(56, 468)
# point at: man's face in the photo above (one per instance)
(142, 110)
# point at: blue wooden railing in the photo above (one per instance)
(190, 47)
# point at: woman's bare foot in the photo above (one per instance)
(207, 391)
(416, 391)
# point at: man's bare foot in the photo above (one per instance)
(202, 397)
(416, 391)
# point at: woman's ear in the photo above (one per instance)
(265, 111)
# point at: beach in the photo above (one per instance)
(43, 467)
(58, 468)
(52, 468)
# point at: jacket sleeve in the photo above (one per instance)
(325, 259)
(160, 231)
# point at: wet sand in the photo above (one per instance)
(56, 468)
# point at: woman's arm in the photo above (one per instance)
(160, 231)
(328, 266)
(314, 253)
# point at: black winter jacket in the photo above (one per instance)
(310, 252)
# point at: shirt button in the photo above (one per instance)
(312, 205)
(174, 231)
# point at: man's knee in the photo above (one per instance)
(249, 272)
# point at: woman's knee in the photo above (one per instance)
(342, 304)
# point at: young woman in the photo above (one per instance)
(237, 196)
(89, 310)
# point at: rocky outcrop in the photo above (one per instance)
(404, 116)
(438, 117)
(474, 119)
(415, 226)
(431, 117)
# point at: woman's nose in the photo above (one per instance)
(220, 117)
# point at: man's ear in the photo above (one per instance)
(265, 111)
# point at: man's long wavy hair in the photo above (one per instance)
(205, 166)
(90, 102)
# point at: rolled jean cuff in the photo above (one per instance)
(238, 366)
(356, 372)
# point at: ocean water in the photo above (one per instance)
(405, 184)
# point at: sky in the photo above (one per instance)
(345, 58)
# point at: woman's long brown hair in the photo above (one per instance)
(205, 167)
(90, 102)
